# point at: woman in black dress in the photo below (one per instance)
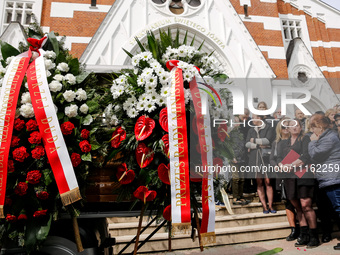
(300, 190)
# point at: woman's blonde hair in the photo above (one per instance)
(262, 102)
(279, 129)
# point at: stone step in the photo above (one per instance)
(230, 235)
(222, 221)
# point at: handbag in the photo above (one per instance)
(283, 190)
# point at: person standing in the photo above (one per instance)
(337, 122)
(259, 139)
(282, 134)
(324, 149)
(299, 115)
(300, 190)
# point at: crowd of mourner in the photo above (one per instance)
(303, 153)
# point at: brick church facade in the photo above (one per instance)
(272, 24)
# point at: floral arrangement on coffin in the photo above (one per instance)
(138, 116)
(32, 197)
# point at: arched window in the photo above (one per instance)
(159, 1)
(194, 3)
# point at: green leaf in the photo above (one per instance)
(47, 176)
(60, 115)
(95, 146)
(87, 120)
(44, 230)
(128, 53)
(177, 39)
(273, 251)
(199, 48)
(140, 44)
(93, 106)
(81, 77)
(86, 157)
(8, 50)
(221, 78)
(152, 46)
(52, 38)
(60, 58)
(211, 95)
(193, 40)
(74, 66)
(185, 38)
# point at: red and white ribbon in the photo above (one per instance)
(52, 136)
(8, 102)
(207, 230)
(178, 149)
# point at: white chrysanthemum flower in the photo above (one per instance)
(84, 108)
(164, 78)
(121, 79)
(58, 77)
(141, 80)
(147, 72)
(165, 91)
(63, 67)
(151, 81)
(135, 60)
(50, 54)
(188, 76)
(117, 90)
(55, 86)
(9, 59)
(182, 51)
(26, 98)
(117, 108)
(154, 64)
(187, 95)
(71, 111)
(132, 112)
(150, 106)
(147, 55)
(141, 106)
(26, 110)
(108, 111)
(49, 64)
(70, 78)
(131, 102)
(160, 101)
(81, 95)
(69, 95)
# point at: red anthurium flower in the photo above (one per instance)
(163, 119)
(39, 213)
(117, 137)
(144, 194)
(167, 213)
(222, 132)
(144, 155)
(144, 127)
(11, 218)
(165, 140)
(124, 175)
(164, 173)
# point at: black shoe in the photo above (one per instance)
(293, 235)
(337, 247)
(326, 238)
(313, 239)
(303, 238)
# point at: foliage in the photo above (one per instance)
(32, 197)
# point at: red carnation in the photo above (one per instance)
(20, 154)
(15, 141)
(38, 152)
(40, 213)
(76, 159)
(85, 146)
(22, 217)
(31, 125)
(43, 195)
(67, 128)
(117, 137)
(10, 166)
(35, 138)
(85, 134)
(33, 177)
(19, 124)
(21, 188)
(11, 218)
